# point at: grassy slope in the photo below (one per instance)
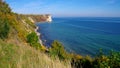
(15, 52)
(22, 56)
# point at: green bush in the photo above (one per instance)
(111, 60)
(4, 7)
(81, 62)
(57, 50)
(32, 38)
(4, 28)
(114, 59)
(5, 11)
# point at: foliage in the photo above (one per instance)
(20, 56)
(57, 50)
(4, 19)
(111, 60)
(9, 54)
(81, 62)
(4, 7)
(30, 23)
(32, 38)
(114, 59)
(4, 28)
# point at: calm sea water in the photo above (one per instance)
(84, 36)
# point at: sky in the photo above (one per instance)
(67, 8)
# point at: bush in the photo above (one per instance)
(32, 38)
(111, 60)
(4, 7)
(4, 28)
(81, 62)
(57, 50)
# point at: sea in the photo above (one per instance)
(83, 35)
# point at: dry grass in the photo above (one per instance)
(23, 56)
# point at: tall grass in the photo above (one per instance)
(22, 56)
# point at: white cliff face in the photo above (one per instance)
(49, 18)
(40, 18)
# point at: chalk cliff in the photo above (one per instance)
(40, 18)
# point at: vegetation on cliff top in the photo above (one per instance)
(32, 39)
(19, 47)
(22, 56)
(18, 43)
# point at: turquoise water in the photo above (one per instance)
(84, 36)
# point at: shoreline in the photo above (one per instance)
(38, 34)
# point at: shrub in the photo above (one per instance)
(57, 50)
(4, 28)
(112, 60)
(32, 38)
(81, 62)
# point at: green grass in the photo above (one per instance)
(22, 56)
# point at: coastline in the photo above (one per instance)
(47, 19)
(38, 34)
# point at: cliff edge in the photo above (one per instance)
(39, 18)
